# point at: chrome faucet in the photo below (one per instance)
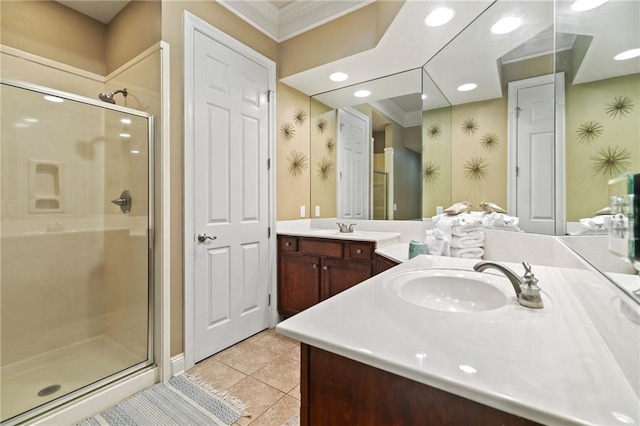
(526, 287)
(344, 228)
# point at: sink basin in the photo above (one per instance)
(449, 290)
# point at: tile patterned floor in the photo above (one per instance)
(263, 371)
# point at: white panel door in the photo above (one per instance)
(536, 159)
(353, 166)
(231, 197)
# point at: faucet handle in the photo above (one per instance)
(351, 226)
(528, 277)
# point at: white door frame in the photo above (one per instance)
(559, 137)
(339, 158)
(193, 24)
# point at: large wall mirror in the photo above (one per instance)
(552, 117)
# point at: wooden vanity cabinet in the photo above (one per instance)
(340, 391)
(313, 269)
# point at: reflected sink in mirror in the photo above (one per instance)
(450, 290)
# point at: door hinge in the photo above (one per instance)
(269, 92)
(518, 109)
(268, 163)
(269, 300)
(269, 232)
(341, 126)
(517, 171)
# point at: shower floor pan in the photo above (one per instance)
(29, 383)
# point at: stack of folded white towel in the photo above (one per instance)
(598, 225)
(500, 221)
(464, 233)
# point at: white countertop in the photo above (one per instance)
(548, 365)
(380, 238)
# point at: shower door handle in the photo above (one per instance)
(204, 237)
(124, 201)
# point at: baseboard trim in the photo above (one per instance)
(177, 364)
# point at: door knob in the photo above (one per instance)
(204, 237)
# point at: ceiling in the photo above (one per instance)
(409, 44)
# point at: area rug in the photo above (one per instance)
(184, 400)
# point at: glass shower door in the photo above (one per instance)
(74, 247)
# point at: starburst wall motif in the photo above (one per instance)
(430, 171)
(300, 116)
(490, 141)
(475, 169)
(321, 125)
(325, 168)
(298, 162)
(619, 107)
(434, 131)
(611, 161)
(470, 126)
(589, 131)
(330, 144)
(287, 131)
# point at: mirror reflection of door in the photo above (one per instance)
(353, 164)
(537, 197)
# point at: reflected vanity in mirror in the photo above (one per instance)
(536, 120)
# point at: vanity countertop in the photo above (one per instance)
(547, 365)
(380, 238)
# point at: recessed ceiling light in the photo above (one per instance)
(438, 17)
(362, 93)
(30, 120)
(424, 96)
(135, 151)
(467, 86)
(53, 99)
(582, 5)
(627, 54)
(506, 25)
(125, 135)
(21, 125)
(338, 76)
(125, 120)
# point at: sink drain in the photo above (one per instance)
(49, 390)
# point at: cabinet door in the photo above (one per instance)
(298, 283)
(339, 275)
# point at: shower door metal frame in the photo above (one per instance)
(150, 361)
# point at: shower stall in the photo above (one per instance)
(75, 247)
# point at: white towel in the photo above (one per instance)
(437, 243)
(467, 253)
(461, 224)
(598, 225)
(474, 239)
(501, 221)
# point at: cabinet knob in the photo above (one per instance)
(359, 251)
(326, 268)
(287, 244)
(315, 266)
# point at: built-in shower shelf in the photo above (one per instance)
(46, 186)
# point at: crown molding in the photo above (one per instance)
(293, 19)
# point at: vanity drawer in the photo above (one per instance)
(288, 243)
(361, 251)
(320, 247)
